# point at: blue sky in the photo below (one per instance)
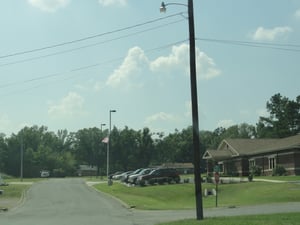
(65, 63)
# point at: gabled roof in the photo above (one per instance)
(217, 155)
(281, 144)
(230, 148)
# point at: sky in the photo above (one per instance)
(65, 64)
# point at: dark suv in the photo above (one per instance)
(160, 176)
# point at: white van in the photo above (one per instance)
(45, 173)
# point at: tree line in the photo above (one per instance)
(62, 152)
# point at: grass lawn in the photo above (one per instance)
(275, 219)
(12, 195)
(181, 196)
(152, 197)
(8, 180)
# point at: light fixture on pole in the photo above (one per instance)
(108, 144)
(98, 157)
(102, 124)
(194, 97)
(22, 156)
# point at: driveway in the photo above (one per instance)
(66, 202)
(72, 202)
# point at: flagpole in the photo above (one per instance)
(108, 143)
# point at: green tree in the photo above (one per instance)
(12, 162)
(3, 152)
(284, 119)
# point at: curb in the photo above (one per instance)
(21, 200)
(124, 204)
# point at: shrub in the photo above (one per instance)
(279, 171)
(59, 173)
(255, 170)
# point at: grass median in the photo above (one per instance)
(181, 196)
(12, 195)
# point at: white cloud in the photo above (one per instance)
(7, 126)
(188, 106)
(98, 86)
(262, 112)
(161, 116)
(297, 14)
(179, 60)
(5, 123)
(113, 2)
(49, 5)
(264, 34)
(128, 71)
(225, 123)
(245, 112)
(70, 105)
(127, 74)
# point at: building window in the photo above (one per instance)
(251, 163)
(272, 163)
(221, 166)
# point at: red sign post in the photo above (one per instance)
(217, 177)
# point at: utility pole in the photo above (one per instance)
(194, 97)
(21, 159)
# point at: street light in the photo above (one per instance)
(22, 156)
(193, 81)
(102, 124)
(98, 158)
(108, 143)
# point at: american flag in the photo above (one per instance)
(105, 140)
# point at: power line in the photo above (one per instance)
(90, 45)
(44, 77)
(89, 37)
(275, 46)
(222, 41)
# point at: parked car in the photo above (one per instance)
(160, 176)
(133, 177)
(120, 176)
(45, 173)
(116, 174)
(125, 178)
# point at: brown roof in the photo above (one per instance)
(248, 146)
(241, 147)
(282, 144)
(217, 155)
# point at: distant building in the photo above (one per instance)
(182, 168)
(87, 170)
(236, 156)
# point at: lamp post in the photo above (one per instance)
(194, 100)
(102, 124)
(22, 157)
(98, 158)
(108, 144)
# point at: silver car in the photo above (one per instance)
(133, 178)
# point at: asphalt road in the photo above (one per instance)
(72, 202)
(66, 202)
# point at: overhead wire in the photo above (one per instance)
(89, 37)
(53, 75)
(89, 45)
(275, 46)
(222, 41)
